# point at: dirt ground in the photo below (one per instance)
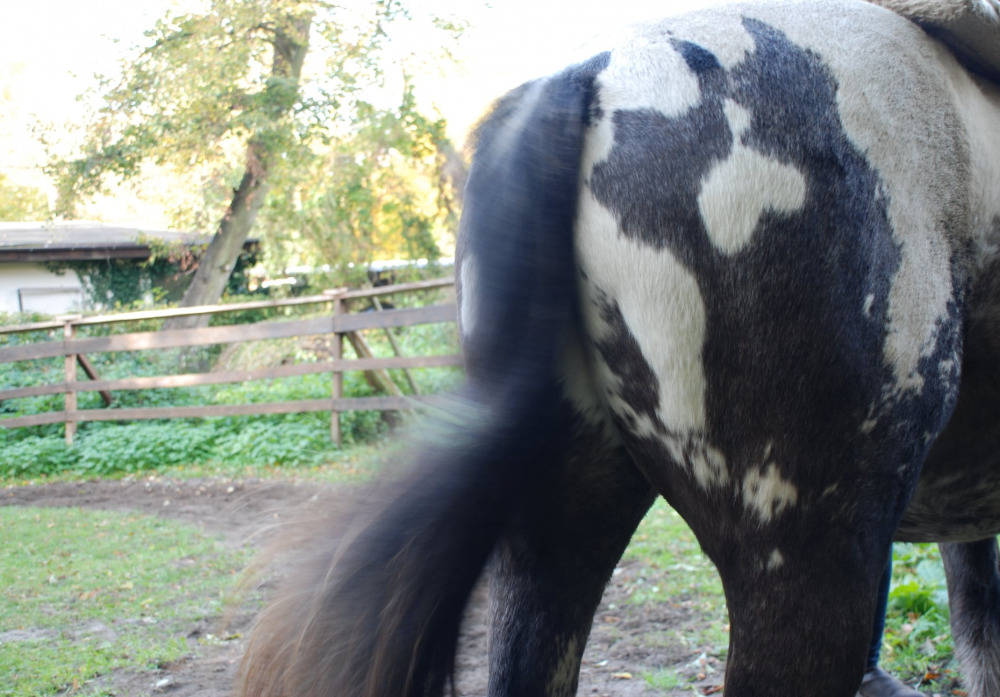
(627, 640)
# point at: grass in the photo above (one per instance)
(85, 592)
(663, 679)
(673, 571)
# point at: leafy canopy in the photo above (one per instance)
(350, 177)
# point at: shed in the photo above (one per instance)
(31, 253)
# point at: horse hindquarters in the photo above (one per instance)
(774, 294)
(974, 596)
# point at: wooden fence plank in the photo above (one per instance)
(237, 333)
(328, 296)
(175, 338)
(197, 412)
(232, 376)
(49, 417)
(396, 318)
(337, 323)
(380, 380)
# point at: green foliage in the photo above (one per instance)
(294, 93)
(22, 203)
(378, 193)
(138, 447)
(124, 284)
(74, 604)
(917, 640)
(35, 456)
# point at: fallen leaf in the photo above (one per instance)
(621, 676)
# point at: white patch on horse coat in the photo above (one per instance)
(767, 493)
(467, 276)
(739, 190)
(867, 310)
(579, 388)
(708, 465)
(646, 72)
(980, 102)
(776, 560)
(643, 73)
(661, 306)
(670, 336)
(720, 31)
(566, 670)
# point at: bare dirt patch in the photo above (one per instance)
(628, 641)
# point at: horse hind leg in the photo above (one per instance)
(552, 566)
(973, 573)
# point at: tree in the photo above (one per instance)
(382, 191)
(229, 91)
(22, 203)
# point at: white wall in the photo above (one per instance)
(33, 288)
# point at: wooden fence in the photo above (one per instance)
(339, 323)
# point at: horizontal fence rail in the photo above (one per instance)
(338, 323)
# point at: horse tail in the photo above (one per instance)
(372, 608)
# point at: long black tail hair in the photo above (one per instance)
(372, 605)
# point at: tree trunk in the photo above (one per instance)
(217, 262)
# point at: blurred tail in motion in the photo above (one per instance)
(373, 607)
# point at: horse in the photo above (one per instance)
(747, 259)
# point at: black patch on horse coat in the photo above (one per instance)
(638, 384)
(790, 351)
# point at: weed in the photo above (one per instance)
(917, 643)
(663, 679)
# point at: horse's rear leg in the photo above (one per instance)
(801, 616)
(974, 595)
(552, 567)
(800, 560)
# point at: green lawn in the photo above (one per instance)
(85, 592)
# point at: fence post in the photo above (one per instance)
(69, 332)
(338, 375)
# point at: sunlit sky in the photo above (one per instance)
(51, 50)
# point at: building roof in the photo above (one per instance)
(78, 241)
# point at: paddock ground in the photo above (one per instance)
(630, 642)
